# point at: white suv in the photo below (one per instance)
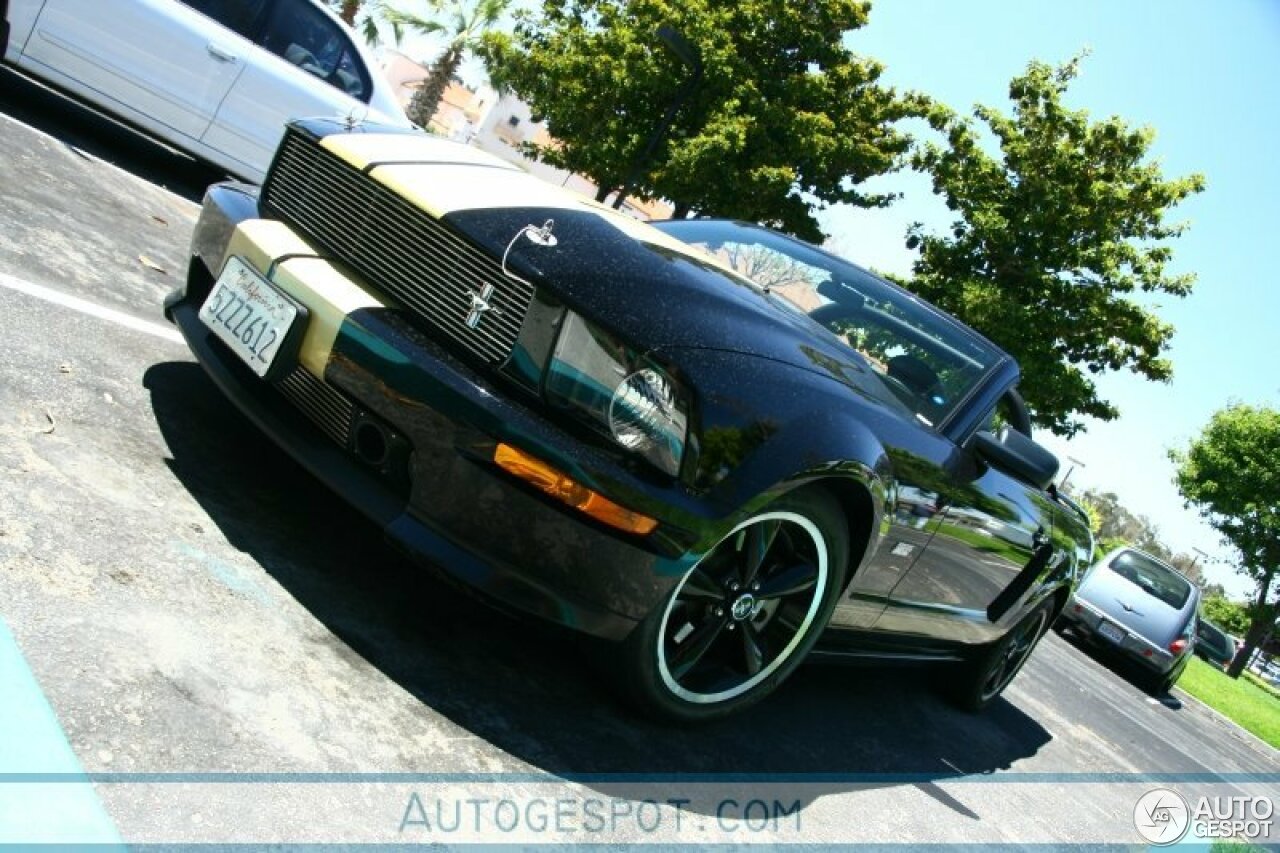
(217, 78)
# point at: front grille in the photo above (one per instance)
(396, 248)
(326, 406)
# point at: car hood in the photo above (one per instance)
(657, 292)
(651, 289)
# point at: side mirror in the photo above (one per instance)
(1016, 455)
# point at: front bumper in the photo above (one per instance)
(440, 498)
(1085, 620)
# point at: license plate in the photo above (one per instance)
(1113, 633)
(249, 314)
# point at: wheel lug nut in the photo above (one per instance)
(719, 611)
(755, 587)
(733, 585)
(732, 626)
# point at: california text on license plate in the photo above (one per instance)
(249, 314)
(1111, 632)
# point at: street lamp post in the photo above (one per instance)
(692, 58)
(1062, 484)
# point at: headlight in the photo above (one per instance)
(620, 391)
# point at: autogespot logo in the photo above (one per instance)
(1162, 816)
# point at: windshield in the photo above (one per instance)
(1154, 578)
(927, 360)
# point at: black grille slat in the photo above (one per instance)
(395, 247)
(325, 406)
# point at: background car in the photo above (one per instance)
(1145, 610)
(1213, 644)
(216, 78)
(1265, 668)
(616, 427)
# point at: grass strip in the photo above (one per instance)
(1249, 706)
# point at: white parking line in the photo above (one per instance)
(75, 303)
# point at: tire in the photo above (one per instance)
(1160, 683)
(980, 681)
(735, 626)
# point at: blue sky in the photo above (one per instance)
(1206, 77)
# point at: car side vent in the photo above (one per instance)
(327, 407)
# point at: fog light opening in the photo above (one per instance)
(552, 482)
(371, 443)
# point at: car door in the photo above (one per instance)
(991, 548)
(304, 65)
(915, 508)
(158, 62)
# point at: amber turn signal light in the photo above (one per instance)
(547, 479)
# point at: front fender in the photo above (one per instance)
(765, 427)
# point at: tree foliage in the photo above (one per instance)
(784, 119)
(1114, 525)
(1230, 616)
(1055, 237)
(347, 10)
(365, 16)
(463, 24)
(1230, 473)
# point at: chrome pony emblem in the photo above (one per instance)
(480, 305)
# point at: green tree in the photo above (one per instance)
(366, 24)
(1054, 238)
(1230, 473)
(1116, 523)
(1115, 526)
(1230, 616)
(785, 119)
(347, 10)
(463, 25)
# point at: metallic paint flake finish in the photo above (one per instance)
(778, 402)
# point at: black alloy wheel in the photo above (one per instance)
(978, 683)
(745, 615)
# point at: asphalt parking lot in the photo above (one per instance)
(232, 655)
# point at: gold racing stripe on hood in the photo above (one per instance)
(328, 293)
(441, 177)
(361, 149)
(441, 189)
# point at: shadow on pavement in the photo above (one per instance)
(88, 132)
(1121, 666)
(531, 690)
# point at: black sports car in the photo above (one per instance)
(721, 447)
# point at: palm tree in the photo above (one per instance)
(367, 25)
(467, 22)
(347, 10)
